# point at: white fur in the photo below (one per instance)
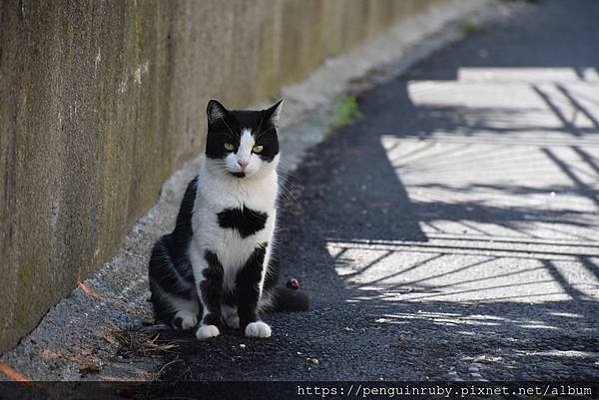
(218, 190)
(188, 319)
(258, 329)
(207, 331)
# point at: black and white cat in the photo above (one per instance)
(217, 265)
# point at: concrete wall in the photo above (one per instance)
(101, 100)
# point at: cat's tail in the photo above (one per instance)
(286, 299)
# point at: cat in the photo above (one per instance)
(217, 266)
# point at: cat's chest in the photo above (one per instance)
(246, 211)
(234, 220)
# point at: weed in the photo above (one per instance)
(471, 26)
(347, 111)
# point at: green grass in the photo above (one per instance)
(471, 26)
(347, 111)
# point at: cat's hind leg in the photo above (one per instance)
(186, 316)
(177, 312)
(173, 294)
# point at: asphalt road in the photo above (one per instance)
(453, 231)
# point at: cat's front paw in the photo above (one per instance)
(257, 329)
(207, 331)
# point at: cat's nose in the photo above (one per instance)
(243, 164)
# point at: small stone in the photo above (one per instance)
(242, 346)
(313, 361)
(402, 338)
(293, 284)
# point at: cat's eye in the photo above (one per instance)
(229, 147)
(258, 149)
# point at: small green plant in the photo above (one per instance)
(471, 26)
(347, 111)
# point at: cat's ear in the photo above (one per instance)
(215, 111)
(273, 112)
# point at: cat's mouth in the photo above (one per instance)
(238, 174)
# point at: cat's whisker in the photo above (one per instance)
(288, 193)
(288, 175)
(287, 180)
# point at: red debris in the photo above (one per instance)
(293, 284)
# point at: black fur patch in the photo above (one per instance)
(248, 286)
(178, 323)
(173, 277)
(212, 288)
(183, 231)
(246, 220)
(230, 298)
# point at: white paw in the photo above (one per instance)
(207, 331)
(188, 319)
(257, 329)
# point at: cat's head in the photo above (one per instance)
(242, 144)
